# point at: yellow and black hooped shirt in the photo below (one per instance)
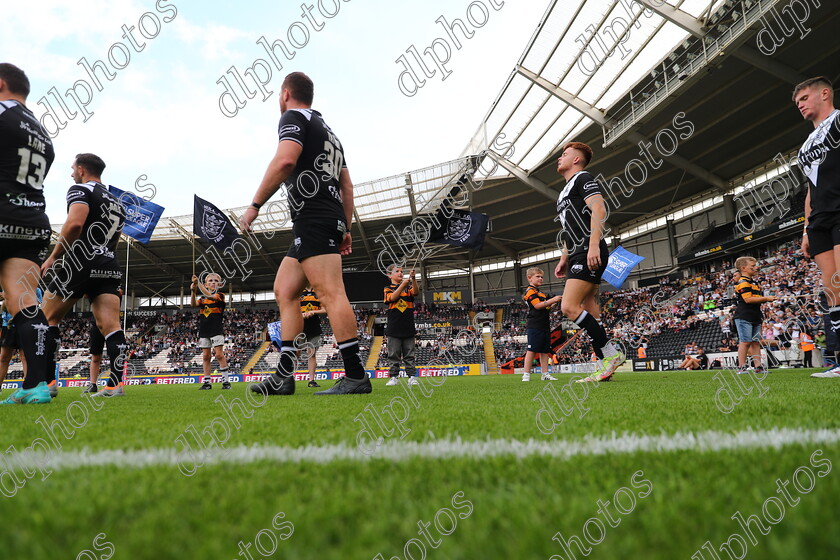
(210, 315)
(310, 302)
(537, 318)
(751, 312)
(400, 312)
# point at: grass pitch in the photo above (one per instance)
(288, 478)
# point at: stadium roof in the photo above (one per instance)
(692, 67)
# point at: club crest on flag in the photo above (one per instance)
(458, 228)
(212, 224)
(461, 228)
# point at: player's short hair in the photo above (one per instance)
(534, 270)
(15, 79)
(300, 86)
(581, 147)
(741, 262)
(391, 268)
(819, 81)
(92, 162)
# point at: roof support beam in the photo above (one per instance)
(186, 235)
(676, 16)
(409, 188)
(684, 164)
(750, 56)
(255, 243)
(156, 293)
(570, 100)
(365, 241)
(503, 247)
(152, 258)
(599, 118)
(520, 174)
(769, 65)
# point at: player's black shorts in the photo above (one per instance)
(579, 270)
(316, 237)
(822, 239)
(34, 248)
(538, 341)
(97, 341)
(72, 281)
(8, 337)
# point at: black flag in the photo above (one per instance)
(211, 225)
(462, 229)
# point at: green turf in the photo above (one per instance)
(347, 509)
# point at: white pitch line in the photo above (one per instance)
(437, 449)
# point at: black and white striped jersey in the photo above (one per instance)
(573, 213)
(819, 159)
(26, 154)
(313, 187)
(97, 244)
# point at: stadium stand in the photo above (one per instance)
(697, 310)
(668, 315)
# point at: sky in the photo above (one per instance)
(157, 120)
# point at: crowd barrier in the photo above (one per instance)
(321, 374)
(728, 360)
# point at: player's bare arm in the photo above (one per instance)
(547, 303)
(70, 232)
(346, 188)
(599, 216)
(414, 283)
(560, 269)
(806, 247)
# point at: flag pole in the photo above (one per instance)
(125, 295)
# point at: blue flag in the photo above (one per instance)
(621, 264)
(141, 215)
(462, 229)
(211, 225)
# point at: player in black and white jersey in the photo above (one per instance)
(582, 213)
(26, 154)
(85, 262)
(310, 161)
(819, 159)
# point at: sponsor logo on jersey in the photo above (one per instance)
(335, 193)
(590, 186)
(289, 130)
(98, 273)
(23, 232)
(21, 200)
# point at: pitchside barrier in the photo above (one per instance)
(728, 360)
(582, 367)
(321, 374)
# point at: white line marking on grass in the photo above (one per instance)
(438, 449)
